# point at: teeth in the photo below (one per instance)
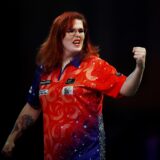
(76, 42)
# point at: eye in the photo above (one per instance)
(70, 30)
(73, 31)
(81, 30)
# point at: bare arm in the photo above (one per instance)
(133, 81)
(26, 118)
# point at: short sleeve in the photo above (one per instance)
(33, 93)
(109, 81)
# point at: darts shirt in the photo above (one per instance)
(71, 100)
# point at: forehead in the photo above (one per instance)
(77, 23)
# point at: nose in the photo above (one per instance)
(77, 33)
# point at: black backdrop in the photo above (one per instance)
(132, 124)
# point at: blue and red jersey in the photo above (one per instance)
(71, 101)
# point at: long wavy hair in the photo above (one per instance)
(51, 51)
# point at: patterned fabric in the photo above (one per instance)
(71, 101)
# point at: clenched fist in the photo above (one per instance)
(140, 56)
(7, 150)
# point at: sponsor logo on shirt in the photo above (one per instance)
(118, 74)
(43, 91)
(45, 82)
(67, 90)
(70, 81)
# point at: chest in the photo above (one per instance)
(70, 87)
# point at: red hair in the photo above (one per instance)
(51, 51)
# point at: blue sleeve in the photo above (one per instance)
(33, 93)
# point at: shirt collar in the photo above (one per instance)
(76, 61)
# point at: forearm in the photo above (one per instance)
(132, 82)
(23, 122)
(26, 118)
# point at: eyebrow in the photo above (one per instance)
(77, 28)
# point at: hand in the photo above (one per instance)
(139, 56)
(7, 150)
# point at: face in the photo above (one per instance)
(74, 38)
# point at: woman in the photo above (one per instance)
(68, 87)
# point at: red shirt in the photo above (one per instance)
(71, 101)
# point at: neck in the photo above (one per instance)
(66, 60)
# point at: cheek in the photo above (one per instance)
(66, 42)
(83, 38)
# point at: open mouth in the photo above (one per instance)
(77, 42)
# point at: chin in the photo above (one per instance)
(77, 50)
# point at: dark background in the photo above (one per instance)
(132, 124)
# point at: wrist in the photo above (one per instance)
(140, 67)
(11, 138)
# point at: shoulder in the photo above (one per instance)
(39, 70)
(97, 60)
